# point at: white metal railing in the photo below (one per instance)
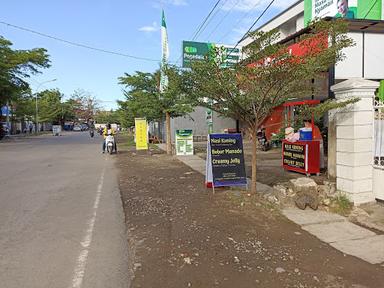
(378, 160)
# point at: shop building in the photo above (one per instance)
(364, 61)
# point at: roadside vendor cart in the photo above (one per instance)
(301, 156)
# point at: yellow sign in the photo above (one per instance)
(141, 134)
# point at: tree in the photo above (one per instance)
(16, 66)
(85, 105)
(24, 107)
(51, 108)
(68, 111)
(268, 77)
(107, 117)
(145, 100)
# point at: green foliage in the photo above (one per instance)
(341, 205)
(50, 106)
(318, 111)
(144, 100)
(107, 117)
(25, 106)
(15, 67)
(269, 76)
(142, 96)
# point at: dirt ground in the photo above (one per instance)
(181, 235)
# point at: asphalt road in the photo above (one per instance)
(61, 218)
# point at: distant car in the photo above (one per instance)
(77, 128)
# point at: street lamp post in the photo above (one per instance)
(36, 109)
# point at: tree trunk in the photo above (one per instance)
(254, 150)
(168, 125)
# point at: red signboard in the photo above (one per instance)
(301, 156)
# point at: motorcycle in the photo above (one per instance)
(263, 141)
(110, 143)
(91, 133)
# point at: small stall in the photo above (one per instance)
(300, 151)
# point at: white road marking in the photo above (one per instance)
(82, 259)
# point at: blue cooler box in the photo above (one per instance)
(305, 134)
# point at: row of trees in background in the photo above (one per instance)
(53, 108)
(16, 66)
(247, 91)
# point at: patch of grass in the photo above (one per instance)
(125, 140)
(153, 147)
(341, 205)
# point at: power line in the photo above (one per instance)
(210, 19)
(79, 44)
(254, 23)
(199, 28)
(240, 20)
(205, 20)
(369, 11)
(222, 19)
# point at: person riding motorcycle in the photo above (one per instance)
(91, 126)
(108, 130)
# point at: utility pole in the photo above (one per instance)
(8, 123)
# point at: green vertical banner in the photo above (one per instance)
(164, 54)
(307, 12)
(380, 93)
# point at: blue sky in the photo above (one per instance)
(128, 27)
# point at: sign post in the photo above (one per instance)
(198, 51)
(225, 161)
(209, 120)
(184, 142)
(141, 134)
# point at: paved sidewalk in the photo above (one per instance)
(331, 228)
(339, 233)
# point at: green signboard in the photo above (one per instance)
(352, 9)
(184, 142)
(198, 51)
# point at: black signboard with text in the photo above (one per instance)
(226, 160)
(295, 156)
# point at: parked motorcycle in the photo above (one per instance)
(263, 141)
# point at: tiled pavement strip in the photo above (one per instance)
(331, 228)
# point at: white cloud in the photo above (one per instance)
(149, 29)
(246, 5)
(161, 3)
(176, 2)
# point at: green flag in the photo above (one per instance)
(165, 54)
